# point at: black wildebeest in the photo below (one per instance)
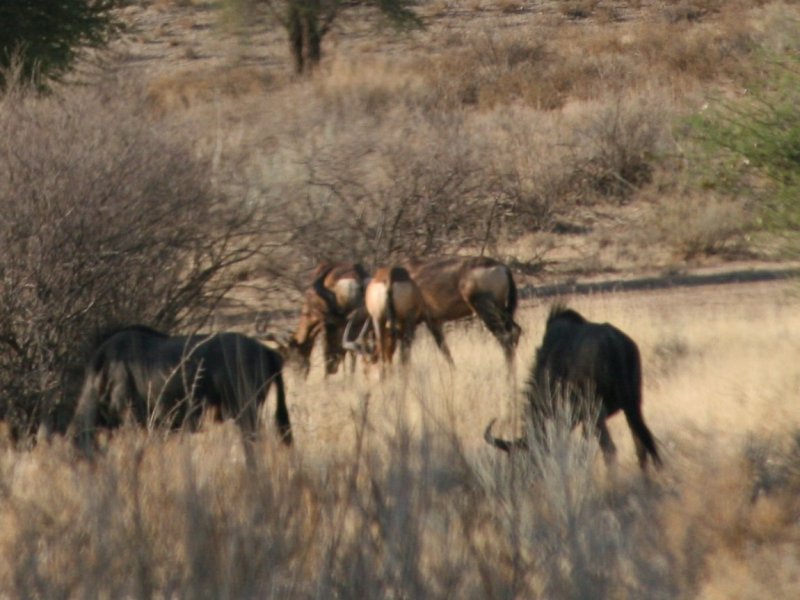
(583, 361)
(139, 374)
(336, 291)
(461, 286)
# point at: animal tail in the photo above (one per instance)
(642, 434)
(282, 412)
(504, 445)
(395, 274)
(513, 297)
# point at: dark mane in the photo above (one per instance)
(560, 311)
(104, 334)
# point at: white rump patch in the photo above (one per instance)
(347, 293)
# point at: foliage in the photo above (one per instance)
(47, 35)
(755, 142)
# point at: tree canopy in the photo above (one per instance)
(44, 37)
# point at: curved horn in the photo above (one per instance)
(357, 345)
(346, 343)
(283, 345)
(504, 445)
(262, 322)
(327, 296)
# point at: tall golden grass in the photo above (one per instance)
(391, 491)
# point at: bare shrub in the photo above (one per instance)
(694, 226)
(623, 139)
(106, 219)
(606, 150)
(497, 70)
(578, 9)
(702, 52)
(371, 197)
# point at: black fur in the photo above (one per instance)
(581, 360)
(147, 375)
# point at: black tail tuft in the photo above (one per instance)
(282, 412)
(513, 298)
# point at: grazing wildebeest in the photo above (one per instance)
(139, 374)
(395, 306)
(581, 361)
(457, 287)
(337, 291)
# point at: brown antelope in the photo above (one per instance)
(462, 286)
(395, 306)
(336, 291)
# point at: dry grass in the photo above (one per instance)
(391, 490)
(503, 122)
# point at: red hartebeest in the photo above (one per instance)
(395, 306)
(336, 291)
(435, 291)
(462, 286)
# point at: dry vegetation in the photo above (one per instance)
(498, 126)
(193, 172)
(392, 492)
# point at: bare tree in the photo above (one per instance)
(307, 22)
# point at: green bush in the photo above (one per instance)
(46, 36)
(754, 142)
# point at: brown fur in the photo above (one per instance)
(396, 306)
(335, 292)
(461, 286)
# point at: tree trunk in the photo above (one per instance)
(305, 34)
(295, 29)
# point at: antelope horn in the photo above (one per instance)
(504, 445)
(262, 322)
(283, 345)
(356, 345)
(346, 343)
